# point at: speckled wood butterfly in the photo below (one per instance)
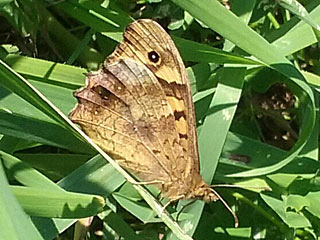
(138, 108)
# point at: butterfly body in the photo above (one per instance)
(139, 109)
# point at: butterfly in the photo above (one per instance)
(138, 108)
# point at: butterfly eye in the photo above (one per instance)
(153, 56)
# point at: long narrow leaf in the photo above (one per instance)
(14, 223)
(53, 204)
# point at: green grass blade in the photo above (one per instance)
(94, 176)
(109, 22)
(46, 71)
(54, 165)
(121, 227)
(4, 2)
(313, 80)
(197, 52)
(39, 131)
(296, 8)
(13, 216)
(54, 204)
(8, 143)
(27, 175)
(17, 84)
(142, 212)
(293, 36)
(23, 18)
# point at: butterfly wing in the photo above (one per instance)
(143, 37)
(139, 108)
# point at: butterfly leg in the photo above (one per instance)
(184, 207)
(171, 201)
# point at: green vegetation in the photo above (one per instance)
(255, 76)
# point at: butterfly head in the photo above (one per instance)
(205, 193)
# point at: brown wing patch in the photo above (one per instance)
(125, 107)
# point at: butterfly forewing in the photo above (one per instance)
(145, 36)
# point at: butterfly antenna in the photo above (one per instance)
(235, 217)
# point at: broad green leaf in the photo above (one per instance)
(283, 179)
(314, 200)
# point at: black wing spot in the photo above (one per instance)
(156, 151)
(185, 136)
(153, 56)
(179, 114)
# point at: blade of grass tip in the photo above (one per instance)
(17, 84)
(197, 52)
